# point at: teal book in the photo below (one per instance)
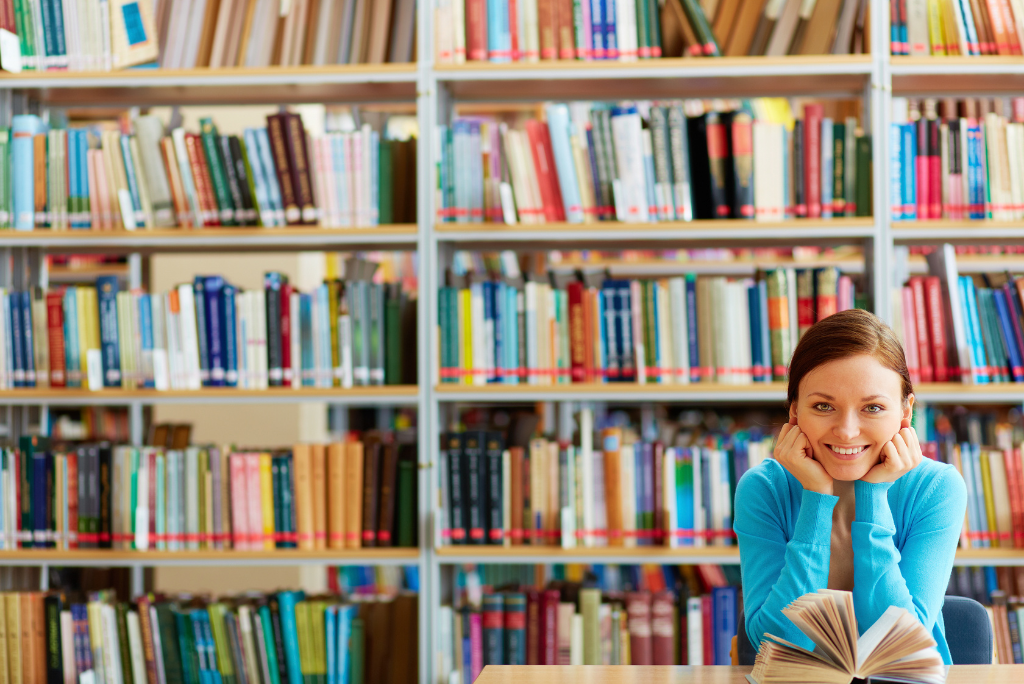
(268, 638)
(286, 601)
(331, 643)
(356, 650)
(169, 647)
(186, 647)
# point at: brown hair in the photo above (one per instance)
(847, 333)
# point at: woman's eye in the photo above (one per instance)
(822, 407)
(873, 408)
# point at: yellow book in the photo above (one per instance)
(12, 603)
(83, 338)
(466, 335)
(316, 611)
(305, 638)
(267, 500)
(1000, 499)
(990, 506)
(936, 31)
(5, 675)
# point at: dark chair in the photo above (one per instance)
(968, 633)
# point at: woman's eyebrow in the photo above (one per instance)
(823, 395)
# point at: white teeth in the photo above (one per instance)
(847, 452)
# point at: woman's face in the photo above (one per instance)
(849, 409)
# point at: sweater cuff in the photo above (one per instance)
(873, 503)
(814, 522)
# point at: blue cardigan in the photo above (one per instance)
(904, 538)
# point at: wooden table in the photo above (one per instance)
(635, 674)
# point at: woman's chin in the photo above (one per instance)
(847, 472)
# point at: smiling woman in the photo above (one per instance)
(848, 502)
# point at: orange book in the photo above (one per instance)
(353, 494)
(302, 465)
(318, 455)
(201, 179)
(611, 443)
(181, 209)
(38, 635)
(336, 495)
(28, 642)
(39, 171)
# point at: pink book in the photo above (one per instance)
(239, 503)
(513, 26)
(476, 645)
(923, 166)
(910, 335)
(253, 489)
(636, 314)
(350, 180)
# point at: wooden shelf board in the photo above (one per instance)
(613, 392)
(655, 553)
(820, 63)
(250, 73)
(956, 75)
(230, 557)
(215, 239)
(963, 232)
(392, 394)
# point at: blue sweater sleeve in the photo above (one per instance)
(913, 577)
(776, 570)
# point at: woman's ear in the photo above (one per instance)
(792, 414)
(908, 412)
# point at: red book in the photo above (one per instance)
(286, 333)
(476, 30)
(55, 335)
(566, 29)
(718, 160)
(546, 23)
(533, 627)
(239, 504)
(549, 627)
(1018, 470)
(934, 170)
(516, 494)
(544, 166)
(577, 332)
(658, 453)
(813, 114)
(708, 618)
(72, 465)
(663, 629)
(937, 327)
(152, 495)
(1012, 484)
(513, 29)
(638, 612)
(203, 182)
(924, 360)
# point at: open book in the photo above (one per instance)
(897, 648)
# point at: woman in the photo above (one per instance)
(848, 502)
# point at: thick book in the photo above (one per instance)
(896, 646)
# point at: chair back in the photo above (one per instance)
(968, 633)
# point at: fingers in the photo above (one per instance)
(890, 454)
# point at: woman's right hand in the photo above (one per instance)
(793, 451)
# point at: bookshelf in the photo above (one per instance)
(433, 91)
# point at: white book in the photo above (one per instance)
(70, 11)
(161, 502)
(459, 31)
(241, 335)
(104, 34)
(530, 37)
(138, 660)
(586, 419)
(698, 499)
(600, 500)
(445, 643)
(680, 330)
(794, 329)
(716, 506)
(175, 354)
(189, 338)
(111, 646)
(247, 643)
(444, 32)
(917, 28)
(142, 505)
(532, 333)
(345, 350)
(247, 339)
(694, 631)
(568, 518)
(506, 499)
(665, 331)
(625, 34)
(192, 498)
(628, 141)
(576, 648)
(185, 171)
(94, 611)
(67, 646)
(261, 332)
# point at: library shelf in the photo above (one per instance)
(166, 240)
(953, 76)
(707, 555)
(957, 393)
(957, 232)
(277, 557)
(383, 395)
(614, 392)
(658, 78)
(231, 85)
(626, 235)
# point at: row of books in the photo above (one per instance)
(89, 423)
(958, 163)
(626, 492)
(139, 175)
(962, 327)
(359, 493)
(596, 329)
(646, 162)
(209, 333)
(532, 30)
(956, 27)
(1000, 590)
(261, 33)
(285, 636)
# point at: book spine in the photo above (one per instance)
(276, 131)
(218, 172)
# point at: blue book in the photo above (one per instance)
(560, 129)
(270, 175)
(493, 629)
(196, 619)
(331, 643)
(216, 326)
(83, 178)
(306, 331)
(597, 32)
(26, 325)
(496, 297)
(908, 149)
(259, 183)
(23, 127)
(827, 166)
(980, 519)
(723, 608)
(59, 43)
(981, 365)
(345, 615)
(230, 334)
(691, 326)
(627, 360)
(601, 362)
(766, 349)
(211, 647)
(289, 633)
(133, 183)
(1006, 323)
(17, 346)
(647, 489)
(896, 179)
(199, 295)
(39, 499)
(73, 191)
(613, 334)
(684, 493)
(976, 172)
(499, 37)
(71, 356)
(611, 42)
(107, 288)
(146, 338)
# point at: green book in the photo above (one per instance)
(186, 646)
(165, 625)
(250, 180)
(654, 21)
(121, 610)
(839, 169)
(863, 198)
(385, 184)
(225, 663)
(305, 638)
(357, 651)
(393, 334)
(268, 639)
(590, 606)
(406, 501)
(319, 641)
(643, 29)
(699, 22)
(218, 172)
(133, 463)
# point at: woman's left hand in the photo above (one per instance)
(899, 456)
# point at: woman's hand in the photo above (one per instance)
(793, 451)
(900, 455)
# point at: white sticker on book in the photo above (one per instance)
(94, 368)
(10, 52)
(508, 205)
(127, 210)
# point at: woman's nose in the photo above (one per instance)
(846, 426)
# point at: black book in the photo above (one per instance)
(407, 497)
(50, 524)
(720, 171)
(451, 449)
(121, 611)
(741, 162)
(169, 647)
(234, 182)
(52, 605)
(199, 295)
(105, 495)
(472, 484)
(493, 450)
(799, 192)
(275, 622)
(272, 282)
(700, 178)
